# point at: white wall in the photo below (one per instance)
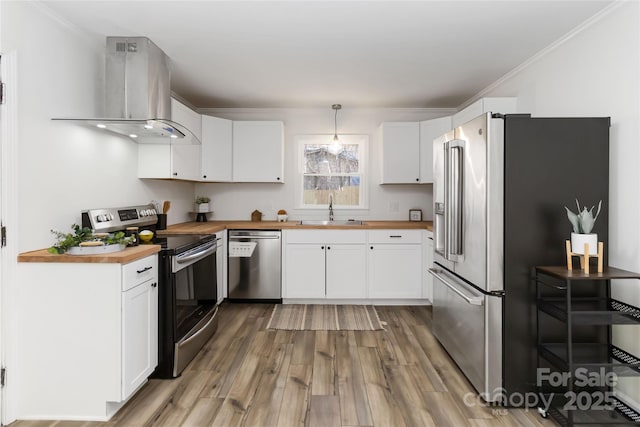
(237, 201)
(597, 73)
(60, 169)
(63, 168)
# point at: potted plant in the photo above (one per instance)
(583, 223)
(202, 204)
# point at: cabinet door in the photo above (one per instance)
(304, 271)
(185, 162)
(346, 268)
(188, 118)
(395, 271)
(139, 335)
(216, 149)
(429, 130)
(258, 151)
(400, 152)
(166, 161)
(427, 282)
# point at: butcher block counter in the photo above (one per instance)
(212, 227)
(122, 257)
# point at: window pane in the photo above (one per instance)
(345, 190)
(329, 159)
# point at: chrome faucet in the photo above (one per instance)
(330, 207)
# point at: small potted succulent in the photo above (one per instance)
(202, 204)
(583, 223)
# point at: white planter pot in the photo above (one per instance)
(578, 241)
(202, 207)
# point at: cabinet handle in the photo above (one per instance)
(144, 269)
(371, 247)
(328, 247)
(154, 284)
(278, 179)
(175, 174)
(204, 176)
(321, 247)
(417, 179)
(395, 237)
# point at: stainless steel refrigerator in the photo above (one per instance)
(500, 184)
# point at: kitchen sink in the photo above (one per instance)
(334, 223)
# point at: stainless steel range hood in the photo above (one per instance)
(138, 94)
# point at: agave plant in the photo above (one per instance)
(584, 220)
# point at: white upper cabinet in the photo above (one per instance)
(164, 161)
(185, 116)
(217, 140)
(504, 105)
(173, 161)
(258, 151)
(400, 152)
(429, 130)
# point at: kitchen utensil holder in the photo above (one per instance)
(162, 222)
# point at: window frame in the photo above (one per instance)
(323, 139)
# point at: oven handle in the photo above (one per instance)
(197, 255)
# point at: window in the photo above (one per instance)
(336, 169)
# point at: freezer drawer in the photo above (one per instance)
(468, 324)
(459, 324)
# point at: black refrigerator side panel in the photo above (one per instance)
(549, 162)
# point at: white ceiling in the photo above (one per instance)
(317, 53)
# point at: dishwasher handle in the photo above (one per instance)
(256, 236)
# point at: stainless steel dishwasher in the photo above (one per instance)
(254, 271)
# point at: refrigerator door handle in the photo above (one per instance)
(473, 300)
(453, 194)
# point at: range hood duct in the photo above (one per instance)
(138, 94)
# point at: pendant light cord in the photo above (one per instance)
(336, 107)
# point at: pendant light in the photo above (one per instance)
(335, 147)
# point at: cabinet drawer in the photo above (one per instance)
(395, 236)
(326, 236)
(139, 271)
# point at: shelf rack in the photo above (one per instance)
(600, 357)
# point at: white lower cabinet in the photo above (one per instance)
(354, 264)
(325, 264)
(345, 273)
(305, 273)
(395, 264)
(139, 335)
(89, 338)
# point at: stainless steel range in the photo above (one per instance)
(187, 284)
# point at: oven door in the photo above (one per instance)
(195, 287)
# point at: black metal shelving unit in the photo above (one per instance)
(584, 396)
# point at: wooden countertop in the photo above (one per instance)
(211, 227)
(122, 257)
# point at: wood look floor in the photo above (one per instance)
(249, 376)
